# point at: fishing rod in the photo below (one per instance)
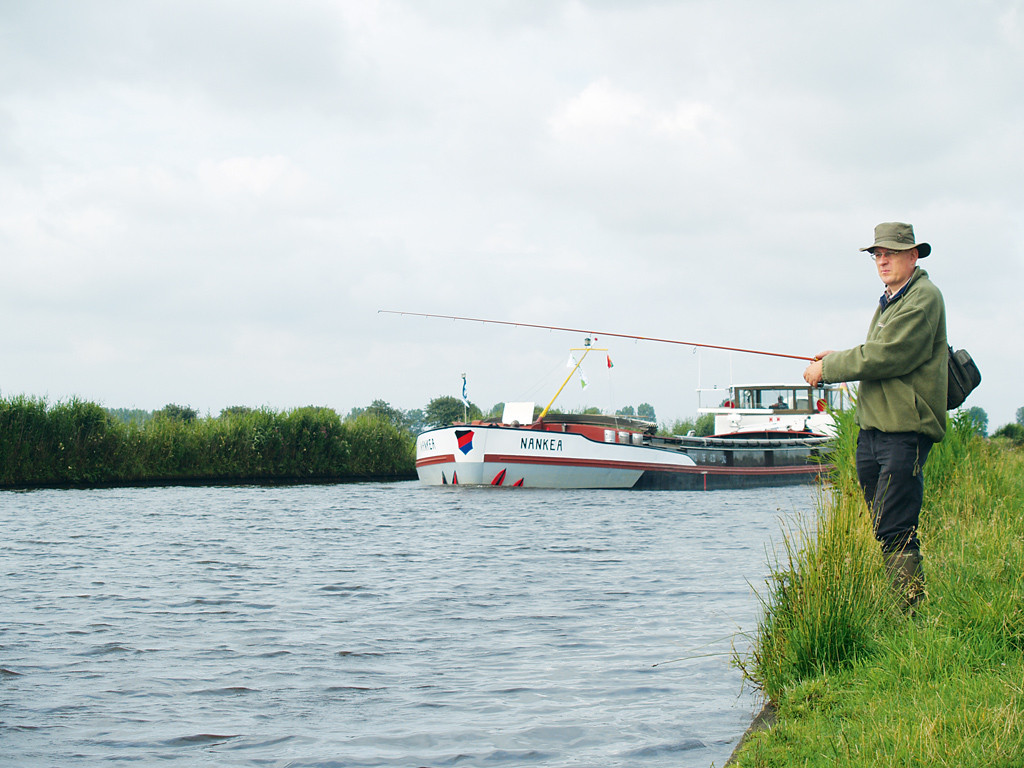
(597, 333)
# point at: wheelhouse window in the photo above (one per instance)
(791, 399)
(834, 398)
(794, 399)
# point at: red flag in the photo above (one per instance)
(609, 359)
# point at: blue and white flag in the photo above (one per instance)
(464, 398)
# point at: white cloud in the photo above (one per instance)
(248, 178)
(602, 113)
(598, 111)
(687, 120)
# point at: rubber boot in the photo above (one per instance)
(904, 568)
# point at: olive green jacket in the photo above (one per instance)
(902, 367)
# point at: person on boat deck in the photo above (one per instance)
(780, 404)
(901, 410)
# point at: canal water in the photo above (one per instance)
(379, 625)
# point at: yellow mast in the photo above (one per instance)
(585, 350)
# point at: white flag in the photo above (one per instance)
(583, 379)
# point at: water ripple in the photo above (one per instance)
(378, 625)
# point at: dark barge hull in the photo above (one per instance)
(750, 460)
(707, 478)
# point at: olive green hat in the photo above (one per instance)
(897, 236)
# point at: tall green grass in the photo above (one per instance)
(857, 681)
(78, 443)
(826, 597)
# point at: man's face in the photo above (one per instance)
(894, 267)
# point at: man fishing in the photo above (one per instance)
(901, 409)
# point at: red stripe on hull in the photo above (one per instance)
(446, 459)
(553, 461)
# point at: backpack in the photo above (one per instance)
(964, 377)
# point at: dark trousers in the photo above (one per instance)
(890, 470)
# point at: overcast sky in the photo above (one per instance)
(207, 203)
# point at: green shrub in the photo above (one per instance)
(1012, 432)
(79, 443)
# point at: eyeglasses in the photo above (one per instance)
(884, 253)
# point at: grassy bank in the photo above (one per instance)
(78, 443)
(856, 681)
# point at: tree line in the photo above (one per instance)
(79, 443)
(446, 410)
(1013, 432)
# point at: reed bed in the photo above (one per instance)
(858, 682)
(77, 443)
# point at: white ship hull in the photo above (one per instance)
(517, 456)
